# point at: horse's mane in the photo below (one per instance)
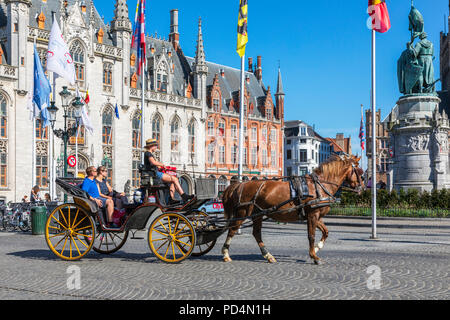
(332, 166)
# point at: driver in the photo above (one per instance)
(150, 163)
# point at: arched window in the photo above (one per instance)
(107, 117)
(77, 53)
(81, 129)
(136, 144)
(191, 141)
(107, 141)
(162, 77)
(3, 142)
(107, 77)
(222, 184)
(156, 134)
(175, 140)
(41, 154)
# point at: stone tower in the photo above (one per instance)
(200, 70)
(18, 12)
(121, 33)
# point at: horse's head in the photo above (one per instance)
(353, 177)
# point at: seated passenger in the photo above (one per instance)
(151, 163)
(106, 191)
(90, 186)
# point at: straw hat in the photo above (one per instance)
(151, 142)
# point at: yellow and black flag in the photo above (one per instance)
(242, 28)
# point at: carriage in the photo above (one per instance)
(74, 228)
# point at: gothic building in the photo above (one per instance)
(180, 98)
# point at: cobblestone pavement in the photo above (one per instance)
(413, 263)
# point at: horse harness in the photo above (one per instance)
(301, 189)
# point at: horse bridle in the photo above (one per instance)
(356, 190)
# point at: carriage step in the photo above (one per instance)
(138, 238)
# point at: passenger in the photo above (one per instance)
(106, 191)
(90, 186)
(35, 196)
(47, 197)
(151, 163)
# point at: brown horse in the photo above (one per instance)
(241, 200)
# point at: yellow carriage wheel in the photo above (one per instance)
(69, 232)
(171, 237)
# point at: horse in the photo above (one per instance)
(243, 200)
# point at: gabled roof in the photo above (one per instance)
(230, 84)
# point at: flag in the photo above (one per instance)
(380, 16)
(117, 111)
(59, 59)
(85, 120)
(86, 98)
(242, 38)
(42, 89)
(138, 38)
(34, 110)
(361, 133)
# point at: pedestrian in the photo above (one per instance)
(25, 199)
(35, 196)
(47, 197)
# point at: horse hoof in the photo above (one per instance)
(272, 260)
(227, 259)
(317, 262)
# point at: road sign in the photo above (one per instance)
(72, 161)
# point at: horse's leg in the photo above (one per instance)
(257, 226)
(324, 230)
(312, 224)
(231, 232)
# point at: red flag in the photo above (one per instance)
(86, 99)
(380, 16)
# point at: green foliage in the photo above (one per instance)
(410, 199)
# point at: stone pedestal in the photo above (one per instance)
(419, 138)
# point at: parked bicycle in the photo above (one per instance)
(18, 216)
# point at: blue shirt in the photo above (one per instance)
(90, 186)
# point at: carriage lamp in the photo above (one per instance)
(65, 97)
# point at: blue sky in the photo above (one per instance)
(323, 48)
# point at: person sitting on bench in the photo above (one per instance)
(90, 186)
(150, 163)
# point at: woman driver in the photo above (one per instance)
(151, 163)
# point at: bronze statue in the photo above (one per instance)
(415, 70)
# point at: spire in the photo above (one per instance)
(200, 53)
(121, 20)
(279, 84)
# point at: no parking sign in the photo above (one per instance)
(72, 161)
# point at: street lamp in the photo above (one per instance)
(67, 132)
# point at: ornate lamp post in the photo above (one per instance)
(65, 133)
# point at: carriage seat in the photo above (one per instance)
(150, 180)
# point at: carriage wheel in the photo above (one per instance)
(199, 219)
(69, 232)
(109, 242)
(171, 237)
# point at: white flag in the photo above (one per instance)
(85, 120)
(59, 59)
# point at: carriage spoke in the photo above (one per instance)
(167, 250)
(164, 234)
(163, 226)
(60, 241)
(62, 214)
(65, 242)
(76, 236)
(74, 242)
(75, 219)
(173, 250)
(55, 235)
(87, 227)
(162, 244)
(168, 221)
(59, 222)
(180, 230)
(79, 222)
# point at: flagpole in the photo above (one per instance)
(241, 119)
(142, 110)
(76, 151)
(374, 139)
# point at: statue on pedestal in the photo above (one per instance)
(415, 70)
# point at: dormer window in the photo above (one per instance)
(162, 78)
(303, 131)
(216, 105)
(269, 113)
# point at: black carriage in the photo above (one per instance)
(76, 227)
